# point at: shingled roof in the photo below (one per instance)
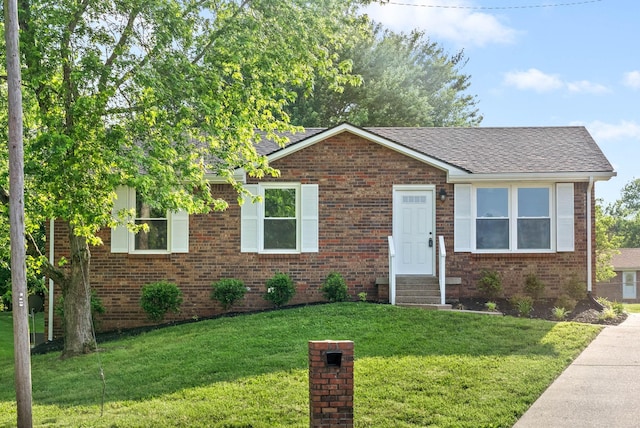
(494, 150)
(628, 259)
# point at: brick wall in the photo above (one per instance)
(612, 289)
(554, 269)
(330, 385)
(355, 179)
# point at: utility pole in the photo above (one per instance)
(21, 345)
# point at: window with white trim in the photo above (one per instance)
(154, 235)
(167, 232)
(283, 221)
(522, 217)
(492, 218)
(280, 214)
(515, 218)
(534, 218)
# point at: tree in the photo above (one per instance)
(407, 80)
(626, 213)
(153, 94)
(607, 244)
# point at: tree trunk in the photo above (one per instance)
(78, 332)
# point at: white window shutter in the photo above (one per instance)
(179, 231)
(463, 218)
(564, 219)
(120, 233)
(310, 218)
(249, 222)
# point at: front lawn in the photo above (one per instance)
(632, 307)
(413, 368)
(6, 337)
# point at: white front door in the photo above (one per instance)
(413, 230)
(628, 285)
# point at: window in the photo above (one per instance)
(505, 213)
(168, 232)
(514, 218)
(284, 221)
(492, 218)
(534, 218)
(155, 238)
(280, 227)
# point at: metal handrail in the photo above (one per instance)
(392, 271)
(442, 275)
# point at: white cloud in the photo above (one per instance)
(539, 81)
(632, 79)
(463, 27)
(585, 86)
(533, 79)
(624, 130)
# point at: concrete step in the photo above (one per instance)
(422, 280)
(430, 306)
(417, 290)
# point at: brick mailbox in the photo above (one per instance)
(331, 383)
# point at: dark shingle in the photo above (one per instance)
(494, 150)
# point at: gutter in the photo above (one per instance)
(51, 302)
(589, 243)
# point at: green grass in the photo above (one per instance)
(632, 307)
(6, 333)
(413, 368)
(6, 337)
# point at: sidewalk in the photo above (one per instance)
(600, 388)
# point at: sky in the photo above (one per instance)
(544, 63)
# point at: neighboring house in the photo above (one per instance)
(624, 286)
(375, 205)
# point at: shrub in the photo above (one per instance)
(334, 288)
(280, 289)
(523, 304)
(567, 302)
(618, 307)
(607, 314)
(575, 288)
(533, 286)
(160, 297)
(490, 284)
(559, 313)
(227, 291)
(362, 296)
(491, 306)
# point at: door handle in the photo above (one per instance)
(430, 242)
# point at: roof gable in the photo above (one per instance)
(536, 152)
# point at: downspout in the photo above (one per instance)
(589, 243)
(51, 303)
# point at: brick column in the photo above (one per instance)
(331, 384)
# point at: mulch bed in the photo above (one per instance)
(586, 311)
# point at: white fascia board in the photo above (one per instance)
(239, 175)
(345, 127)
(538, 176)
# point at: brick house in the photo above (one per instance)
(381, 206)
(624, 286)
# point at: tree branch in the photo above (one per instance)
(57, 275)
(124, 38)
(217, 33)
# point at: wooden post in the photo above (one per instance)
(22, 350)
